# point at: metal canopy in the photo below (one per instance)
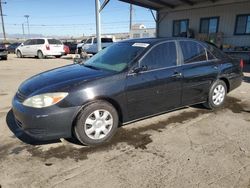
(171, 4)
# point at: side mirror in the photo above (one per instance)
(22, 44)
(136, 70)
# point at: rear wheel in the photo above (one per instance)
(96, 124)
(217, 95)
(19, 54)
(40, 55)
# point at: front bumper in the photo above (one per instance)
(3, 53)
(54, 53)
(47, 123)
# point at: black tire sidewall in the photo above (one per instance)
(79, 126)
(211, 92)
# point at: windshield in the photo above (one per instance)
(115, 57)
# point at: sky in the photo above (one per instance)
(70, 17)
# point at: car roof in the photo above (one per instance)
(42, 38)
(155, 40)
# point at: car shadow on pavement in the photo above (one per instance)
(246, 68)
(246, 79)
(21, 135)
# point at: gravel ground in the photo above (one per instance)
(192, 147)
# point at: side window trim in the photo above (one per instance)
(177, 63)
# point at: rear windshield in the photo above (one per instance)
(54, 41)
(104, 40)
(217, 52)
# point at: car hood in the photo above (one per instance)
(60, 79)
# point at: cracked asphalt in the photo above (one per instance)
(191, 147)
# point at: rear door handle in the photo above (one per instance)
(177, 74)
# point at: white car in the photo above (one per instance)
(41, 48)
(90, 46)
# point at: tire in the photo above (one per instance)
(90, 128)
(58, 56)
(19, 54)
(219, 89)
(40, 55)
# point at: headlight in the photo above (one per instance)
(44, 100)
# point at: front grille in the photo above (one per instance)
(20, 97)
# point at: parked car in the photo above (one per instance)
(126, 82)
(66, 49)
(72, 47)
(90, 46)
(40, 48)
(3, 52)
(12, 47)
(80, 45)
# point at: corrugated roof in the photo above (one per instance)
(159, 4)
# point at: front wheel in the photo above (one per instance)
(96, 124)
(217, 95)
(19, 54)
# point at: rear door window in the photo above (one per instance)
(33, 42)
(193, 52)
(40, 41)
(54, 41)
(162, 56)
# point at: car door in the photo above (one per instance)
(25, 48)
(33, 47)
(39, 45)
(157, 87)
(198, 72)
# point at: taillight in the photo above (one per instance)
(47, 47)
(242, 63)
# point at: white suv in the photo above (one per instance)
(41, 48)
(90, 46)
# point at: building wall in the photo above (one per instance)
(142, 33)
(227, 21)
